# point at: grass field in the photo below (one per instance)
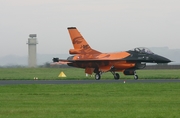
(75, 73)
(138, 100)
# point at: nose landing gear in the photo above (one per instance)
(135, 76)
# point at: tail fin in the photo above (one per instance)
(79, 43)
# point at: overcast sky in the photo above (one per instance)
(108, 25)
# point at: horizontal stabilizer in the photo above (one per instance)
(55, 59)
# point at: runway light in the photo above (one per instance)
(35, 78)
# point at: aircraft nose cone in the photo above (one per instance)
(161, 59)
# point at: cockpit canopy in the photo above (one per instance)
(143, 50)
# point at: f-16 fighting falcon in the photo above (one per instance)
(94, 61)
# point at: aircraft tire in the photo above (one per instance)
(97, 76)
(117, 76)
(136, 77)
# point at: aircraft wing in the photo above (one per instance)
(84, 60)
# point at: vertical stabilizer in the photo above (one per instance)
(79, 43)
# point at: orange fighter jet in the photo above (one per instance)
(94, 61)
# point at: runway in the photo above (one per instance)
(15, 82)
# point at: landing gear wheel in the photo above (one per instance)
(136, 77)
(116, 76)
(97, 76)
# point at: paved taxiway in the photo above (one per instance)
(13, 82)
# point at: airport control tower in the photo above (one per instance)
(32, 41)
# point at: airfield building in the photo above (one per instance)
(32, 41)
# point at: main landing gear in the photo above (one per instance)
(116, 75)
(97, 76)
